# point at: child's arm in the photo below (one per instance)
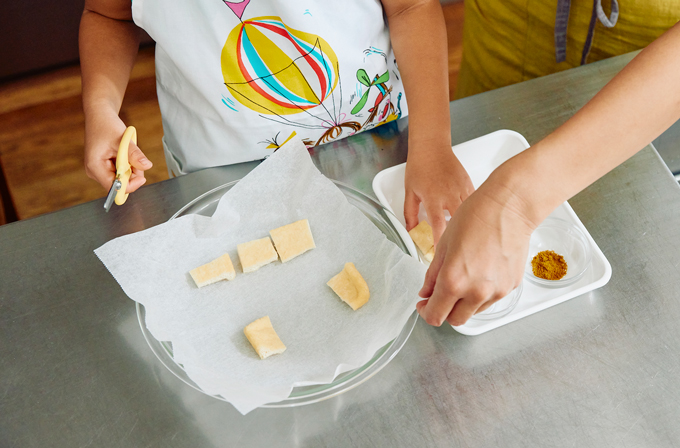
(434, 176)
(108, 46)
(481, 256)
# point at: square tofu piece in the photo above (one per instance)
(293, 239)
(350, 286)
(218, 269)
(263, 338)
(255, 254)
(424, 239)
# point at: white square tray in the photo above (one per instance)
(480, 157)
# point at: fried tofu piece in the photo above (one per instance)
(350, 286)
(293, 239)
(423, 237)
(263, 338)
(218, 269)
(255, 254)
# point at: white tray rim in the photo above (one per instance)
(539, 306)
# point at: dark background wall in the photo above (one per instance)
(38, 35)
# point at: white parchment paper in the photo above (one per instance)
(324, 337)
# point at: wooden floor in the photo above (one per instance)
(42, 132)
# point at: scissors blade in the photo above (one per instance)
(112, 194)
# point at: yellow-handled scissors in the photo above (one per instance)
(123, 170)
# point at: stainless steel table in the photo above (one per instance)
(600, 370)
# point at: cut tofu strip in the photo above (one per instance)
(263, 338)
(218, 269)
(350, 286)
(424, 239)
(293, 239)
(255, 254)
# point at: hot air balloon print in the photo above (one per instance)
(291, 77)
(276, 70)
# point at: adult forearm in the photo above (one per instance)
(108, 47)
(418, 34)
(634, 108)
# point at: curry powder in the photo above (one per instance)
(549, 265)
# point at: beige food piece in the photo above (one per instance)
(255, 254)
(218, 269)
(424, 239)
(263, 338)
(350, 286)
(293, 239)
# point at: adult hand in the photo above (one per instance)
(435, 177)
(102, 138)
(479, 260)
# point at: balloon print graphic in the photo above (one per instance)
(289, 76)
(274, 69)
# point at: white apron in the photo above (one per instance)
(237, 79)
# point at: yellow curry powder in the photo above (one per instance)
(549, 265)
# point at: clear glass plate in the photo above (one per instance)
(205, 205)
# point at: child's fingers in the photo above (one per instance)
(138, 159)
(411, 206)
(136, 180)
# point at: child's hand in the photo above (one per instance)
(102, 137)
(435, 177)
(479, 260)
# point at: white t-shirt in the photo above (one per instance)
(237, 79)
